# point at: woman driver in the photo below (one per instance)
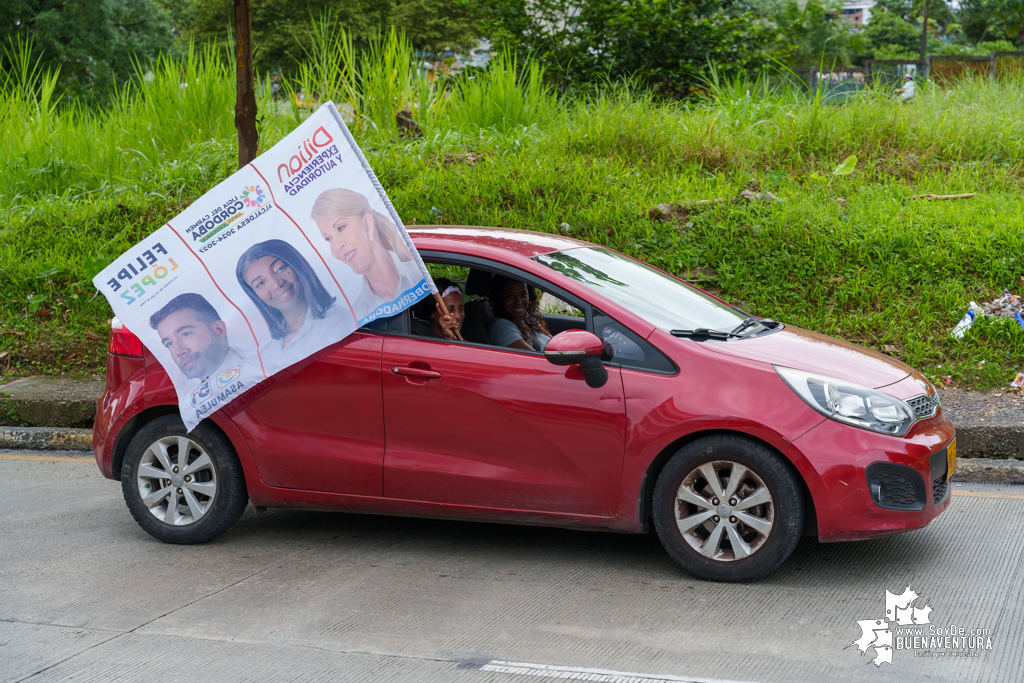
(429, 322)
(368, 242)
(517, 320)
(299, 312)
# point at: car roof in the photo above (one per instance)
(522, 242)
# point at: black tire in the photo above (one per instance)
(775, 526)
(196, 516)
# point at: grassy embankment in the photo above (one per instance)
(78, 187)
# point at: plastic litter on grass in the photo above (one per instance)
(1005, 305)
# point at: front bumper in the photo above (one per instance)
(840, 455)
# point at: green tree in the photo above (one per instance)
(91, 43)
(180, 13)
(892, 36)
(281, 28)
(664, 44)
(991, 20)
(436, 24)
(911, 11)
(816, 33)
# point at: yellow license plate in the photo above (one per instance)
(951, 459)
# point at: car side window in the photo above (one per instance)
(559, 314)
(628, 349)
(378, 326)
(553, 305)
(561, 311)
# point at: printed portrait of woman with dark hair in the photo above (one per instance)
(301, 315)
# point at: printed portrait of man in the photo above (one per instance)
(196, 338)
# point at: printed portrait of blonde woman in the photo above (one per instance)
(368, 242)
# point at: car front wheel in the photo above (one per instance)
(728, 508)
(183, 487)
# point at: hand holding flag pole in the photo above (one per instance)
(444, 311)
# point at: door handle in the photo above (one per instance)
(409, 371)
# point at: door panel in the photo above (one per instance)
(319, 425)
(499, 429)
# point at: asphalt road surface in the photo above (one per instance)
(86, 595)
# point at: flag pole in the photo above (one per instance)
(245, 90)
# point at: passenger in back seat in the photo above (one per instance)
(429, 322)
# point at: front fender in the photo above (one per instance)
(664, 412)
(637, 490)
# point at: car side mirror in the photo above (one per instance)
(582, 348)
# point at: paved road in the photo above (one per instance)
(86, 595)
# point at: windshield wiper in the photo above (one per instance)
(747, 323)
(750, 321)
(702, 333)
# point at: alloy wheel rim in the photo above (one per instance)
(177, 481)
(724, 511)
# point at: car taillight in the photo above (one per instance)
(122, 341)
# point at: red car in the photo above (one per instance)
(655, 404)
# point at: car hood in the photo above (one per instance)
(800, 349)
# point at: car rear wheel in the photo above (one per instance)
(183, 487)
(728, 508)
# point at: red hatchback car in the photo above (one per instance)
(653, 404)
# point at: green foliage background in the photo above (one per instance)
(661, 44)
(885, 270)
(90, 44)
(97, 47)
(282, 28)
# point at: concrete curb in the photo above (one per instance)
(51, 401)
(46, 438)
(974, 470)
(985, 471)
(989, 441)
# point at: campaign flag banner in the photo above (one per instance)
(287, 256)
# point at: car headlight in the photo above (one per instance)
(850, 403)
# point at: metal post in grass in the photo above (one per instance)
(924, 32)
(245, 88)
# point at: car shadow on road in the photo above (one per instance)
(470, 537)
(642, 554)
(909, 554)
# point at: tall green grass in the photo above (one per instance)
(79, 186)
(169, 133)
(372, 87)
(507, 98)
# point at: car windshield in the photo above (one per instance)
(659, 299)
